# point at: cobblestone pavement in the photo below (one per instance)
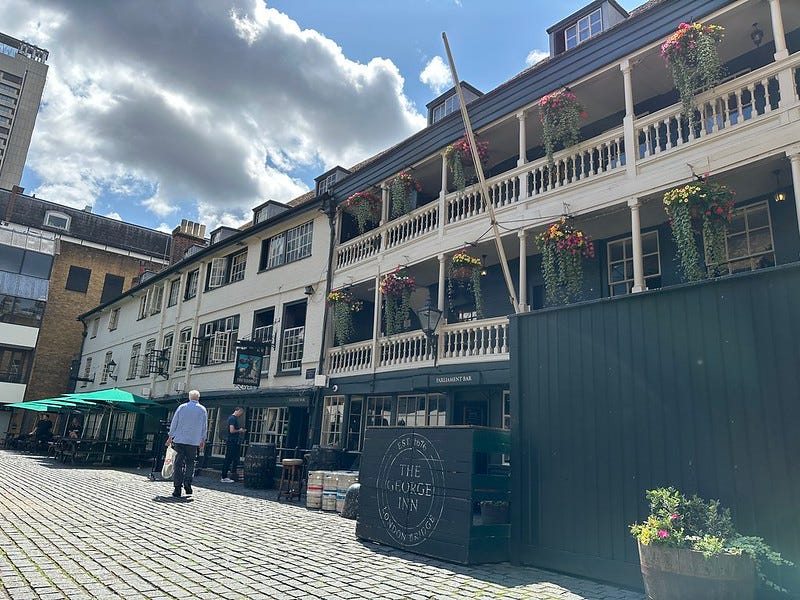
(72, 532)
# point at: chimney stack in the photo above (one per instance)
(186, 235)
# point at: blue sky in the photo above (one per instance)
(201, 110)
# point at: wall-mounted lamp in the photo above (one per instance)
(779, 195)
(756, 35)
(429, 317)
(483, 265)
(309, 290)
(110, 368)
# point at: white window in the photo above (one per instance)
(156, 299)
(143, 303)
(620, 264)
(106, 362)
(148, 356)
(584, 29)
(191, 284)
(57, 220)
(184, 340)
(749, 243)
(289, 246)
(216, 276)
(421, 410)
(133, 363)
(292, 355)
(123, 425)
(267, 425)
(264, 334)
(379, 411)
(113, 320)
(326, 183)
(332, 418)
(166, 347)
(95, 326)
(276, 247)
(445, 108)
(174, 290)
(219, 347)
(86, 370)
(238, 264)
(92, 425)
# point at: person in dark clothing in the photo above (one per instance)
(74, 429)
(233, 450)
(43, 432)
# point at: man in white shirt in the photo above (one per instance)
(187, 434)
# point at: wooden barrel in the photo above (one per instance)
(329, 489)
(259, 466)
(346, 479)
(316, 480)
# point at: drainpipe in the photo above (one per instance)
(329, 206)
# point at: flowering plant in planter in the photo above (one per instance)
(465, 270)
(400, 190)
(702, 526)
(459, 160)
(703, 206)
(564, 249)
(693, 61)
(396, 288)
(344, 306)
(365, 207)
(560, 114)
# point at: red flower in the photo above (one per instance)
(663, 533)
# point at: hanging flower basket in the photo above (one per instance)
(401, 190)
(465, 271)
(560, 114)
(365, 207)
(344, 307)
(459, 161)
(700, 210)
(692, 59)
(564, 250)
(396, 288)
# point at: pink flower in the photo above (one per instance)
(673, 516)
(663, 533)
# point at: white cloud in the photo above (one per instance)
(534, 56)
(164, 228)
(114, 215)
(138, 103)
(436, 75)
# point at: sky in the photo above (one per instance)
(158, 111)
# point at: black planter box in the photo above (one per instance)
(421, 488)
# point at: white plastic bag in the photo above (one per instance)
(169, 463)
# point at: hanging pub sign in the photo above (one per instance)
(249, 357)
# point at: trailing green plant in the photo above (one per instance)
(400, 190)
(564, 249)
(693, 61)
(465, 271)
(344, 307)
(396, 288)
(459, 160)
(560, 114)
(365, 207)
(705, 208)
(701, 525)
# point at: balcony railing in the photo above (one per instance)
(458, 342)
(742, 100)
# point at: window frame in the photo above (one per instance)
(184, 344)
(192, 284)
(744, 211)
(174, 292)
(108, 358)
(79, 271)
(629, 282)
(332, 421)
(584, 24)
(133, 361)
(113, 319)
(59, 215)
(296, 244)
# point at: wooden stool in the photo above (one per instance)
(291, 473)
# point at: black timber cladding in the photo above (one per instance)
(641, 29)
(88, 226)
(694, 386)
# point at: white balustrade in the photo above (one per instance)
(361, 248)
(413, 225)
(488, 337)
(350, 358)
(404, 349)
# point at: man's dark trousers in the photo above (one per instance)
(232, 453)
(184, 464)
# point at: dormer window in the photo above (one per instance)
(447, 103)
(445, 108)
(327, 179)
(585, 28)
(57, 220)
(326, 183)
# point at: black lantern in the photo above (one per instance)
(429, 317)
(110, 368)
(779, 195)
(756, 35)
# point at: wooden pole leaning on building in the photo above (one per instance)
(484, 190)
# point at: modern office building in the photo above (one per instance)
(23, 71)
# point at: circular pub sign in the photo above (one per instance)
(411, 489)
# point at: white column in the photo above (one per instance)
(523, 144)
(636, 235)
(631, 147)
(781, 51)
(442, 199)
(443, 190)
(523, 269)
(384, 203)
(376, 323)
(795, 160)
(442, 285)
